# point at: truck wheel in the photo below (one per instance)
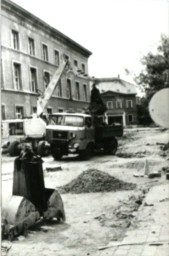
(57, 155)
(42, 149)
(87, 153)
(14, 149)
(111, 147)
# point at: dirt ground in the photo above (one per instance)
(93, 219)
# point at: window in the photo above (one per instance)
(75, 63)
(56, 55)
(3, 116)
(118, 104)
(34, 86)
(16, 128)
(130, 118)
(31, 46)
(46, 78)
(83, 68)
(66, 120)
(68, 89)
(109, 104)
(19, 112)
(15, 39)
(34, 110)
(74, 121)
(45, 52)
(85, 92)
(77, 91)
(49, 111)
(66, 57)
(59, 89)
(60, 109)
(17, 76)
(88, 122)
(2, 80)
(129, 103)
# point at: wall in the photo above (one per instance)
(11, 96)
(119, 111)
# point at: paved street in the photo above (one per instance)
(93, 220)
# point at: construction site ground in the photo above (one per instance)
(133, 221)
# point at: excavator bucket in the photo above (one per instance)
(30, 199)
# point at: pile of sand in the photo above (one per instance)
(94, 180)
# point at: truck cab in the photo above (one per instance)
(70, 133)
(78, 133)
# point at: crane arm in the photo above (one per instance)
(43, 100)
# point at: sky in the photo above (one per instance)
(117, 32)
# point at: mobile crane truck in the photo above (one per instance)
(75, 133)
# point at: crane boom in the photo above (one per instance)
(43, 100)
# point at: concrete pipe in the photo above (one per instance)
(18, 213)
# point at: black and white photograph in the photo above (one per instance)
(84, 128)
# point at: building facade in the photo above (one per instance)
(30, 54)
(120, 99)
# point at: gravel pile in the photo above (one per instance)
(94, 180)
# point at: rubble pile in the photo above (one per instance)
(93, 180)
(164, 148)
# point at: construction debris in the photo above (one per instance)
(167, 175)
(54, 169)
(123, 215)
(5, 247)
(154, 175)
(93, 180)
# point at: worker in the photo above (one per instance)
(97, 107)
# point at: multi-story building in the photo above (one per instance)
(120, 99)
(30, 54)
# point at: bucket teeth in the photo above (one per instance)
(55, 208)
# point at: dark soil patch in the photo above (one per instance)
(94, 180)
(121, 217)
(132, 155)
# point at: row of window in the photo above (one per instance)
(19, 111)
(46, 79)
(119, 104)
(45, 55)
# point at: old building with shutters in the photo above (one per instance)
(30, 54)
(120, 99)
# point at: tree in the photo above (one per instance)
(156, 73)
(154, 77)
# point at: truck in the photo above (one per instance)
(82, 134)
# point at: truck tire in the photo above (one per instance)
(42, 149)
(57, 155)
(14, 149)
(87, 153)
(110, 147)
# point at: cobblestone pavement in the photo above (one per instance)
(151, 237)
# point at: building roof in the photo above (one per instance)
(115, 85)
(35, 21)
